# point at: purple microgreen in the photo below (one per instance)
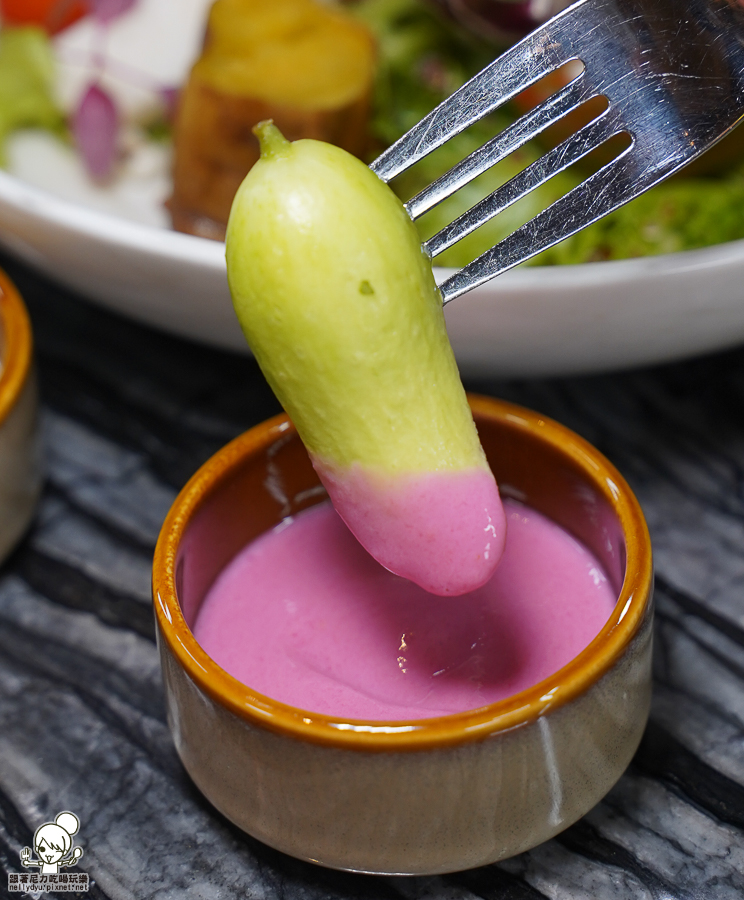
(105, 11)
(96, 127)
(169, 97)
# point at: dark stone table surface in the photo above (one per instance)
(128, 415)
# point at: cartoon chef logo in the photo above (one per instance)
(53, 845)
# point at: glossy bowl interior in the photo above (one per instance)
(423, 796)
(20, 458)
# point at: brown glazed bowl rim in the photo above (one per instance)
(571, 681)
(17, 342)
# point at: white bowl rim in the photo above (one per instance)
(179, 247)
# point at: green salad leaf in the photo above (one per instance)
(422, 59)
(682, 214)
(26, 83)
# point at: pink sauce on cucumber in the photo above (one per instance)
(443, 530)
(306, 616)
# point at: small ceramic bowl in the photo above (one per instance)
(419, 797)
(20, 458)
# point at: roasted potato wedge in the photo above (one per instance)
(307, 66)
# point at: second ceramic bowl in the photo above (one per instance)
(425, 796)
(20, 455)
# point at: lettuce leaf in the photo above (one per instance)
(26, 83)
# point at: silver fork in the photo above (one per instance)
(673, 73)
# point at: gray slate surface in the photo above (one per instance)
(128, 415)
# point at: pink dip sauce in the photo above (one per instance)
(306, 616)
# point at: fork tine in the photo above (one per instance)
(589, 201)
(499, 147)
(521, 66)
(556, 160)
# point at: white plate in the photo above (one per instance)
(532, 321)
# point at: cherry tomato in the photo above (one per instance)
(52, 15)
